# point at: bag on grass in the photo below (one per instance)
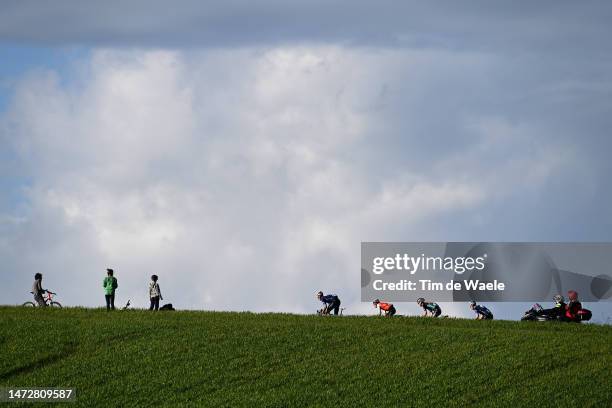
(167, 306)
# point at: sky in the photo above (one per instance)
(242, 151)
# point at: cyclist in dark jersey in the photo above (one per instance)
(330, 303)
(482, 313)
(430, 308)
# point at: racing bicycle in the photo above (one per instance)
(324, 312)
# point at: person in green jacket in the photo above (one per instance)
(110, 285)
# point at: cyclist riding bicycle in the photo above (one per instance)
(38, 291)
(431, 308)
(330, 303)
(388, 308)
(482, 313)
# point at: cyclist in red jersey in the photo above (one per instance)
(388, 308)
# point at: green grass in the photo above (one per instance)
(136, 358)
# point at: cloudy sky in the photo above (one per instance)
(243, 150)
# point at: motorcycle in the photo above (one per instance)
(537, 313)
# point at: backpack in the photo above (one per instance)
(167, 306)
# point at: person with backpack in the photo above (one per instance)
(330, 303)
(388, 308)
(154, 293)
(38, 291)
(110, 286)
(482, 313)
(430, 308)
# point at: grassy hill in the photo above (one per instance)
(135, 358)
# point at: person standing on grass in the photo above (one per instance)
(110, 286)
(154, 293)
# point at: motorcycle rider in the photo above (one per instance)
(558, 311)
(573, 307)
(482, 313)
(388, 308)
(330, 303)
(429, 307)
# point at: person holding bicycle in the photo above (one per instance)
(330, 303)
(110, 285)
(38, 291)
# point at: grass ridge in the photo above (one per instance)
(205, 358)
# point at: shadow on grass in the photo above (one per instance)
(38, 364)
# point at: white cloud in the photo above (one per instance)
(235, 176)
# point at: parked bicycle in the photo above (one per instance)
(48, 298)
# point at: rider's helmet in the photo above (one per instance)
(376, 301)
(472, 304)
(319, 294)
(558, 299)
(572, 295)
(420, 301)
(38, 276)
(154, 278)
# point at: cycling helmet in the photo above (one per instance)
(319, 294)
(420, 301)
(38, 276)
(572, 295)
(472, 304)
(558, 299)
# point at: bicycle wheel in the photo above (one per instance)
(55, 304)
(29, 304)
